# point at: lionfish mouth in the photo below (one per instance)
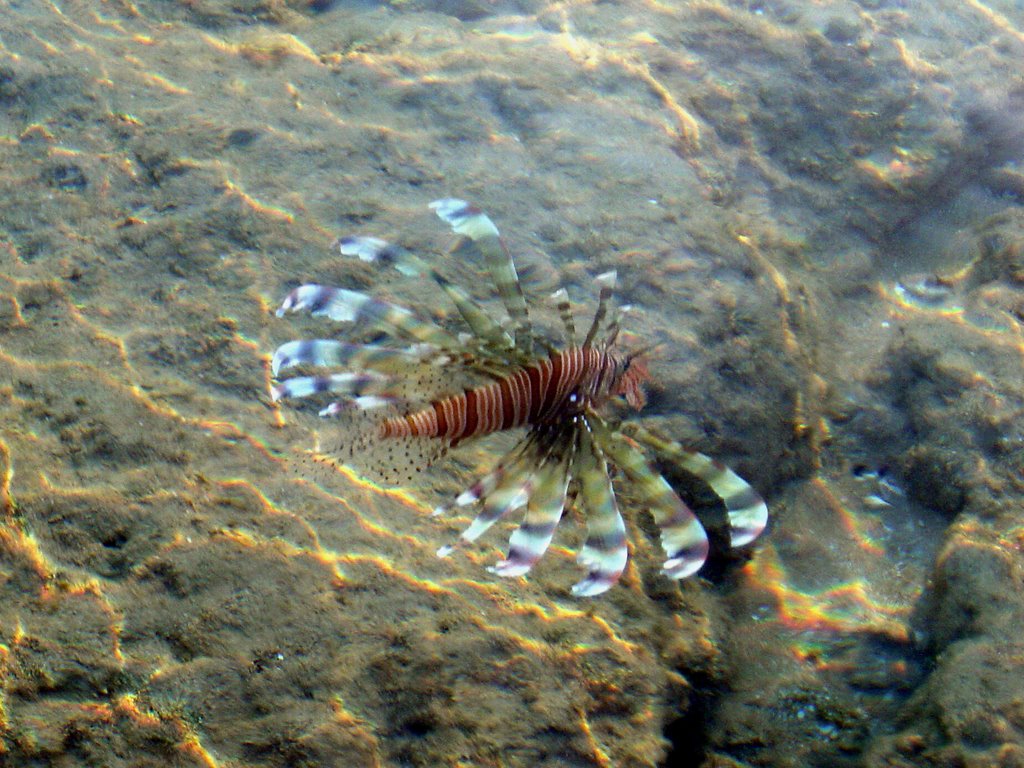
(403, 403)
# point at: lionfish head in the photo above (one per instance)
(630, 378)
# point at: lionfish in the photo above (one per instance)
(410, 400)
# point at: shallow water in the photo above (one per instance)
(815, 210)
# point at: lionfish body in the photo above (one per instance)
(552, 389)
(404, 395)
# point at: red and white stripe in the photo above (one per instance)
(532, 395)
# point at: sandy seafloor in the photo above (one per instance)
(814, 207)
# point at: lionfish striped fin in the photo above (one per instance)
(614, 324)
(501, 491)
(479, 322)
(604, 553)
(544, 508)
(326, 353)
(561, 298)
(472, 223)
(409, 385)
(606, 284)
(478, 490)
(343, 305)
(682, 536)
(373, 249)
(746, 510)
(485, 485)
(349, 383)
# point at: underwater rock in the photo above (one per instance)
(969, 713)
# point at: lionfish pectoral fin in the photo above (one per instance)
(330, 353)
(360, 309)
(501, 491)
(604, 554)
(351, 384)
(682, 536)
(544, 508)
(746, 510)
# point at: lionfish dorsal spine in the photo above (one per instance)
(326, 353)
(606, 287)
(359, 309)
(564, 307)
(469, 221)
(350, 383)
(374, 249)
(480, 323)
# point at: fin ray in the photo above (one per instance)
(475, 225)
(682, 536)
(746, 510)
(604, 554)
